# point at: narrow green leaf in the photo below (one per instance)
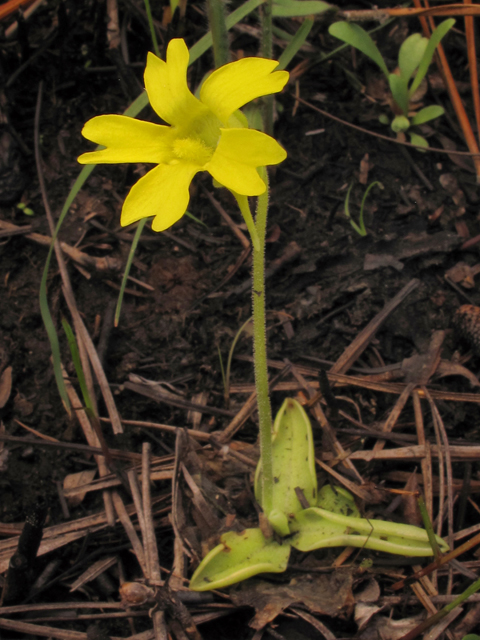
(361, 222)
(153, 35)
(434, 41)
(316, 528)
(399, 89)
(128, 266)
(292, 8)
(53, 339)
(77, 363)
(295, 44)
(428, 113)
(357, 37)
(44, 308)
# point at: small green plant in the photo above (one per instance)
(300, 516)
(21, 206)
(414, 58)
(360, 227)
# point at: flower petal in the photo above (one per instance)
(235, 84)
(236, 157)
(166, 85)
(162, 193)
(127, 140)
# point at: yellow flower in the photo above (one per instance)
(206, 134)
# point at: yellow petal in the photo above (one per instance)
(238, 154)
(127, 140)
(162, 193)
(235, 84)
(166, 85)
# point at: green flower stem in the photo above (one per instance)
(260, 351)
(257, 234)
(244, 207)
(267, 30)
(218, 27)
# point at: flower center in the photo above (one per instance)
(192, 150)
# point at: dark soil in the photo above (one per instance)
(196, 299)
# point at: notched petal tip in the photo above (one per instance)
(178, 48)
(166, 86)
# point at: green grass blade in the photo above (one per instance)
(43, 299)
(363, 231)
(77, 363)
(126, 273)
(294, 45)
(152, 27)
(230, 357)
(53, 338)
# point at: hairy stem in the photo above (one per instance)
(260, 351)
(218, 27)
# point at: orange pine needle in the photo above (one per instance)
(453, 91)
(12, 5)
(449, 10)
(472, 64)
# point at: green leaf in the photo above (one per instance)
(418, 140)
(291, 8)
(295, 44)
(357, 37)
(316, 528)
(293, 461)
(428, 113)
(128, 266)
(400, 123)
(434, 41)
(239, 556)
(399, 89)
(77, 363)
(410, 54)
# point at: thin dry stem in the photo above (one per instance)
(130, 531)
(151, 550)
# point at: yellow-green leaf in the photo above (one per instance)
(239, 556)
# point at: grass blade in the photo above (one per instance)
(294, 45)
